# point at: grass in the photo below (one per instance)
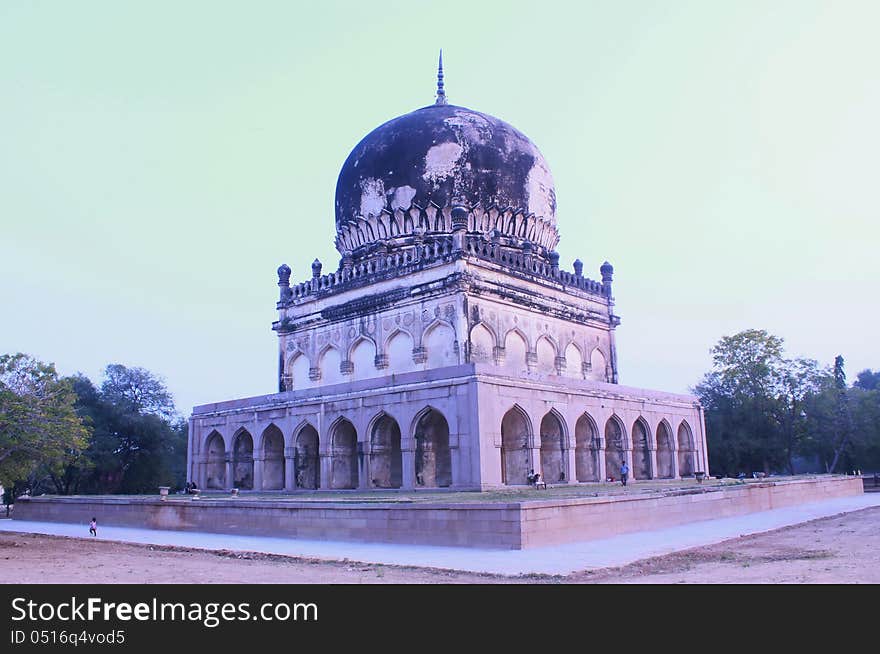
(513, 494)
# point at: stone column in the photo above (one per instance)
(455, 473)
(408, 457)
(258, 471)
(229, 472)
(652, 461)
(603, 473)
(289, 469)
(674, 444)
(201, 470)
(363, 457)
(627, 455)
(570, 466)
(191, 453)
(704, 455)
(326, 468)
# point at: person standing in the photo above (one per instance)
(624, 473)
(93, 527)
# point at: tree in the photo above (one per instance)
(755, 401)
(137, 390)
(868, 380)
(136, 445)
(800, 380)
(842, 431)
(39, 425)
(845, 423)
(739, 396)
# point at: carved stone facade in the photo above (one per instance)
(448, 349)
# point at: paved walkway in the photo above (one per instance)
(554, 560)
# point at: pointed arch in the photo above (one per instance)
(641, 449)
(440, 344)
(298, 370)
(386, 459)
(243, 459)
(554, 454)
(343, 454)
(516, 347)
(306, 458)
(272, 444)
(546, 352)
(574, 361)
(433, 458)
(516, 436)
(586, 448)
(615, 446)
(663, 438)
(215, 449)
(399, 349)
(685, 450)
(362, 355)
(483, 342)
(329, 361)
(598, 365)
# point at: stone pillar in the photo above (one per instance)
(229, 472)
(603, 473)
(408, 456)
(201, 470)
(289, 469)
(535, 455)
(258, 471)
(652, 461)
(326, 468)
(675, 474)
(570, 465)
(704, 454)
(627, 455)
(363, 457)
(191, 453)
(455, 474)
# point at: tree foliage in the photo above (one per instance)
(868, 380)
(136, 390)
(122, 437)
(138, 443)
(39, 425)
(765, 411)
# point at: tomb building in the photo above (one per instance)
(448, 349)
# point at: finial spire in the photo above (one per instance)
(441, 94)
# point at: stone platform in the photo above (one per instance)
(521, 524)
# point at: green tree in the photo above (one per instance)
(755, 401)
(739, 396)
(868, 380)
(138, 441)
(39, 425)
(800, 380)
(844, 423)
(137, 390)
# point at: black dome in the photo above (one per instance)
(444, 155)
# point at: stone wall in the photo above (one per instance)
(486, 429)
(487, 525)
(566, 521)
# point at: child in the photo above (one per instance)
(93, 527)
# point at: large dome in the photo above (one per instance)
(443, 156)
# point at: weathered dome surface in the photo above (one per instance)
(444, 155)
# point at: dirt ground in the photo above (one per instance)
(841, 549)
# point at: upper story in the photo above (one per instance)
(446, 227)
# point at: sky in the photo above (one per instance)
(159, 160)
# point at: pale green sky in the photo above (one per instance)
(159, 160)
